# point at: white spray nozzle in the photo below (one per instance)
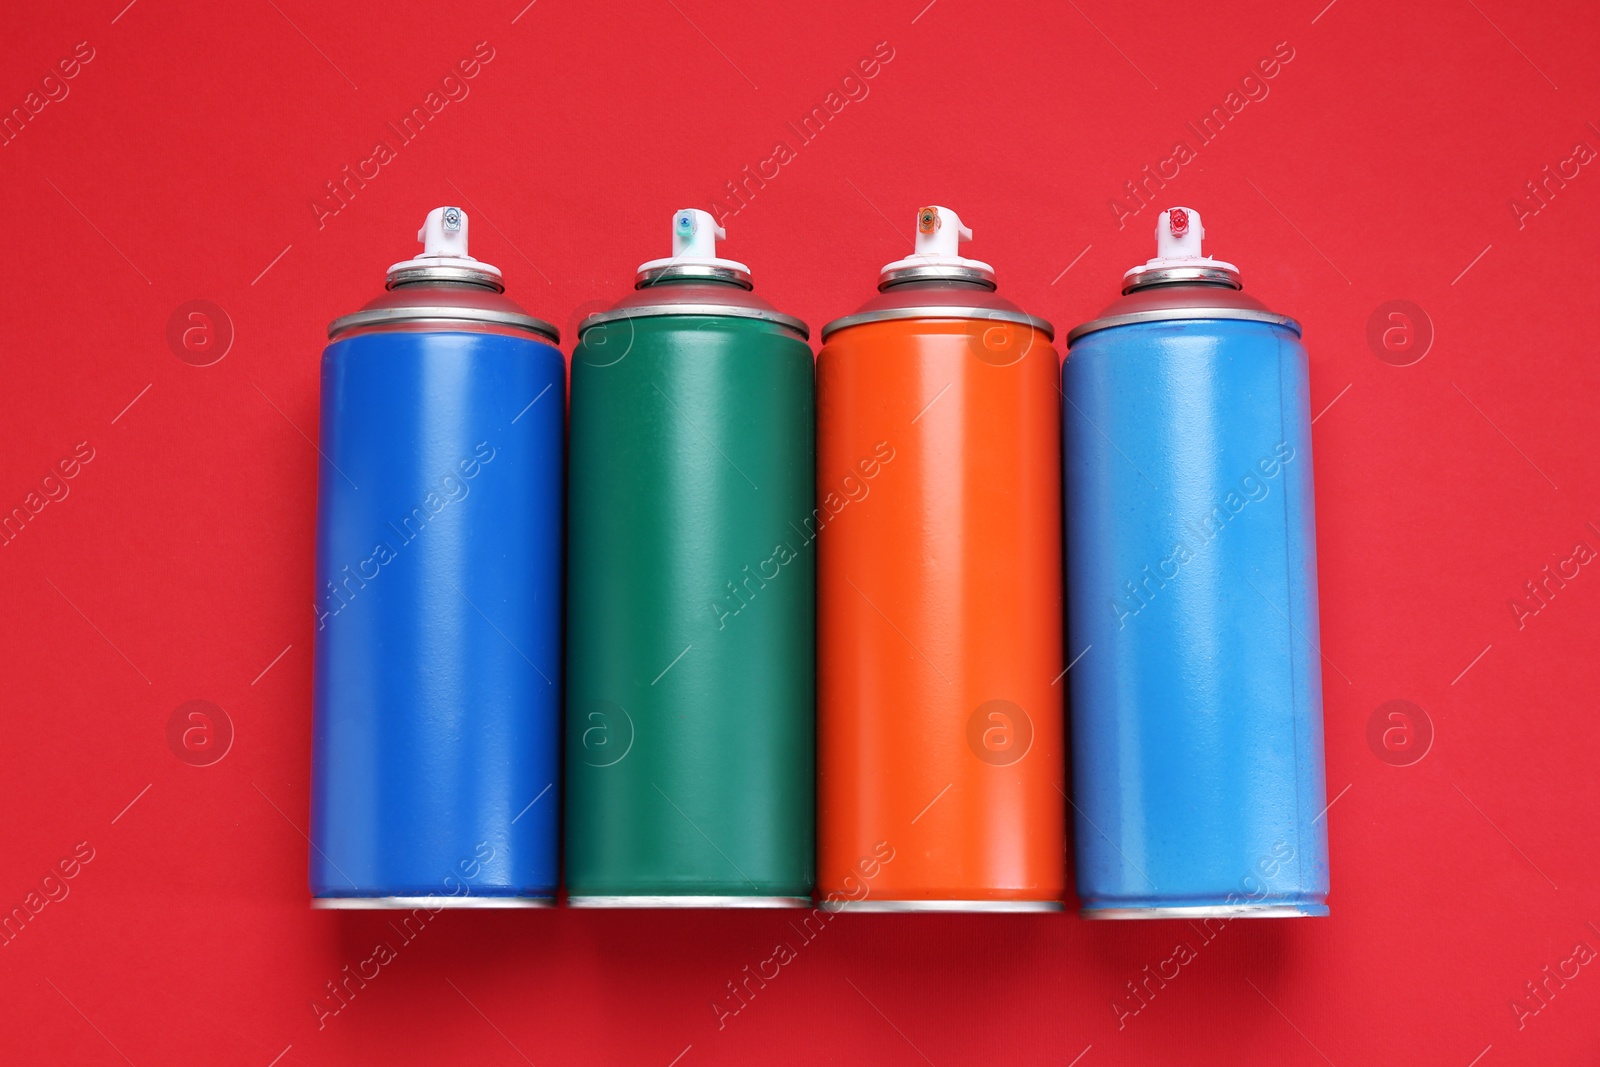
(1179, 234)
(694, 244)
(444, 232)
(940, 233)
(695, 234)
(444, 243)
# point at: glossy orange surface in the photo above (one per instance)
(939, 613)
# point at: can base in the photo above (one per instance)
(432, 903)
(678, 900)
(981, 907)
(1211, 911)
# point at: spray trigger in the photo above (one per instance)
(1179, 237)
(938, 247)
(444, 244)
(694, 244)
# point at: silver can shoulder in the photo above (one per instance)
(939, 300)
(1171, 303)
(443, 304)
(685, 295)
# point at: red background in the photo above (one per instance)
(1381, 166)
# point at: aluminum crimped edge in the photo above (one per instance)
(1211, 911)
(433, 903)
(663, 900)
(400, 315)
(1181, 314)
(646, 311)
(941, 311)
(987, 907)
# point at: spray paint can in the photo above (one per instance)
(690, 748)
(939, 590)
(438, 570)
(1197, 703)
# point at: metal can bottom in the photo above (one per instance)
(680, 900)
(989, 907)
(1211, 911)
(432, 903)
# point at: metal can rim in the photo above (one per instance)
(428, 900)
(1146, 277)
(707, 272)
(940, 904)
(648, 311)
(401, 315)
(1308, 910)
(682, 900)
(411, 273)
(1181, 314)
(941, 311)
(926, 272)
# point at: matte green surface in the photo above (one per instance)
(691, 707)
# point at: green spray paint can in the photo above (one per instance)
(690, 740)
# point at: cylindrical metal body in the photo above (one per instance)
(438, 569)
(690, 707)
(939, 596)
(1197, 703)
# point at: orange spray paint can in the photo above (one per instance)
(939, 652)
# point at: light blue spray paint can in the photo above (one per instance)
(1192, 599)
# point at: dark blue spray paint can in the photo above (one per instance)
(438, 595)
(1192, 599)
